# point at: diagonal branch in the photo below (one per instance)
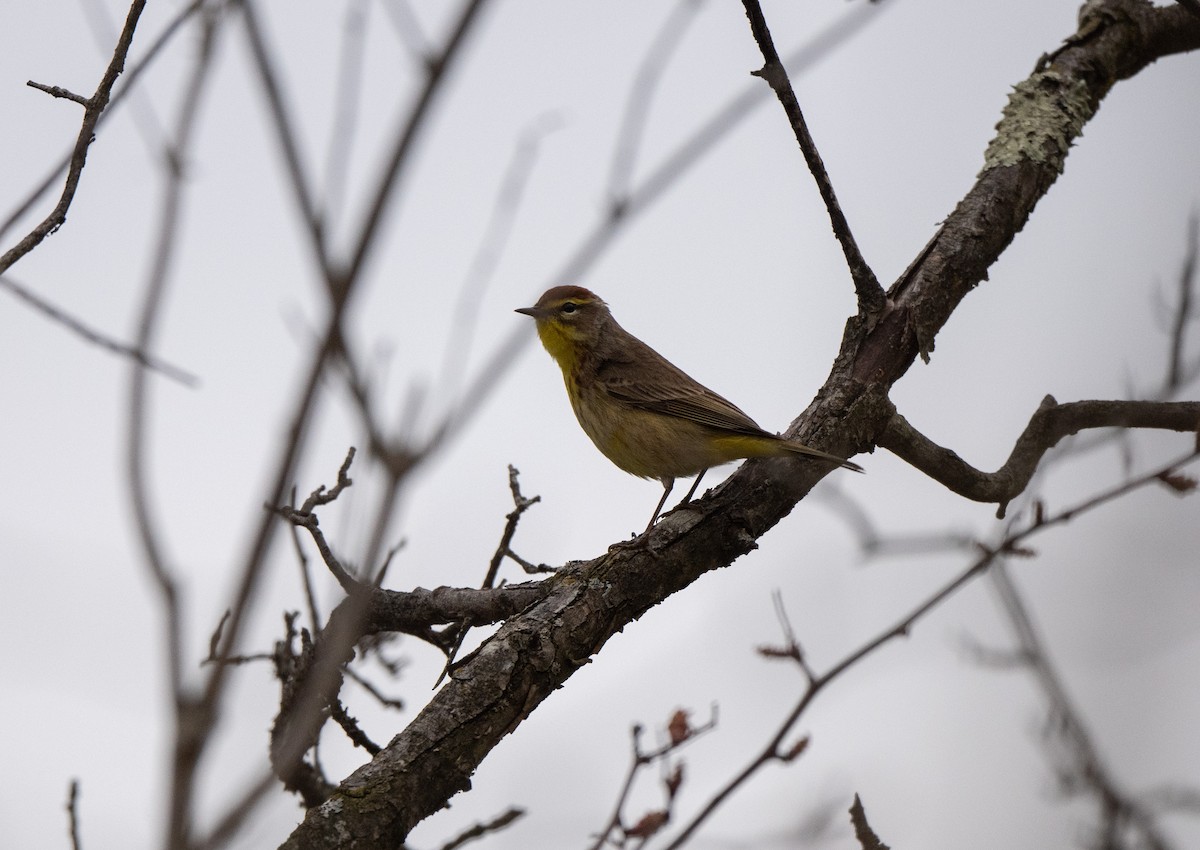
(871, 300)
(95, 337)
(94, 106)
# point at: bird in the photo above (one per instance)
(643, 413)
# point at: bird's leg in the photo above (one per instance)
(667, 483)
(692, 492)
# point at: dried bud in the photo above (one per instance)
(1178, 483)
(674, 781)
(650, 823)
(678, 727)
(797, 748)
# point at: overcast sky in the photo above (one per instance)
(733, 274)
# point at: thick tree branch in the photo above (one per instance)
(533, 653)
(1049, 424)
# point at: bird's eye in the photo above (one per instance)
(569, 307)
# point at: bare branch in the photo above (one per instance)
(1183, 313)
(350, 726)
(1081, 768)
(288, 140)
(131, 77)
(1012, 544)
(871, 300)
(94, 106)
(73, 814)
(351, 57)
(1049, 424)
(504, 548)
(58, 91)
(95, 337)
(481, 830)
(487, 254)
(413, 124)
(641, 94)
(680, 732)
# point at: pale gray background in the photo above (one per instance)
(735, 276)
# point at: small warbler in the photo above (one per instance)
(641, 411)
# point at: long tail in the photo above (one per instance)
(801, 449)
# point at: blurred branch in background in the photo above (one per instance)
(1012, 544)
(194, 719)
(95, 337)
(1124, 819)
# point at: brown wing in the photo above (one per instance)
(655, 384)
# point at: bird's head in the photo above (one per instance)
(570, 319)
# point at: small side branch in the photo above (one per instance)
(1049, 424)
(58, 91)
(871, 299)
(484, 828)
(94, 107)
(303, 517)
(455, 635)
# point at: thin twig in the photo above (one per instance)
(132, 75)
(94, 107)
(641, 94)
(95, 337)
(1183, 311)
(680, 733)
(489, 251)
(73, 814)
(504, 548)
(58, 91)
(484, 828)
(303, 517)
(348, 89)
(414, 123)
(145, 119)
(288, 138)
(369, 687)
(408, 29)
(867, 839)
(871, 299)
(1084, 770)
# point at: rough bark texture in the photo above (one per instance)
(586, 603)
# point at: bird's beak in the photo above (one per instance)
(530, 311)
